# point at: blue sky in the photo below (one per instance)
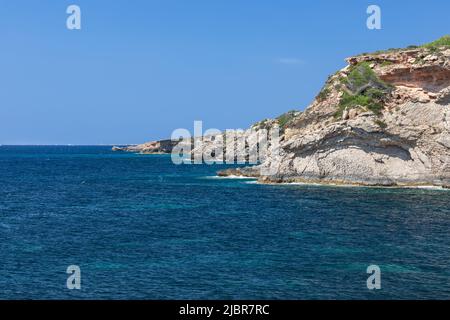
(137, 70)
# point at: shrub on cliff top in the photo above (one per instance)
(441, 42)
(285, 118)
(263, 124)
(323, 94)
(364, 89)
(349, 101)
(362, 77)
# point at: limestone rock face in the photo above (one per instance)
(383, 120)
(412, 150)
(407, 142)
(152, 147)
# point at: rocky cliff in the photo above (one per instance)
(382, 120)
(152, 147)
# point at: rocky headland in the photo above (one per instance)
(383, 120)
(152, 147)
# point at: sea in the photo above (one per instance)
(139, 227)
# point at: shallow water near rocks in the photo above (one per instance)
(140, 227)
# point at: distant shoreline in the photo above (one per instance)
(65, 145)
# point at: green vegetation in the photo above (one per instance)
(263, 124)
(349, 101)
(375, 94)
(363, 90)
(283, 121)
(441, 42)
(381, 124)
(386, 63)
(362, 77)
(285, 118)
(323, 94)
(390, 50)
(433, 46)
(419, 60)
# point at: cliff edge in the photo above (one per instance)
(382, 120)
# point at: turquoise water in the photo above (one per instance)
(142, 228)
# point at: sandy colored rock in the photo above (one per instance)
(407, 144)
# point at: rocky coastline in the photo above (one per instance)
(383, 120)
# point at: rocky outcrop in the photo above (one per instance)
(383, 120)
(152, 147)
(250, 172)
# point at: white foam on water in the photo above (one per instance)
(424, 187)
(428, 188)
(255, 181)
(230, 177)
